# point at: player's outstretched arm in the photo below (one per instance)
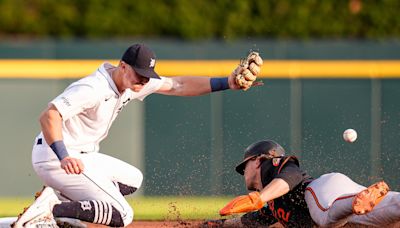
(256, 200)
(195, 86)
(185, 86)
(242, 77)
(51, 124)
(277, 188)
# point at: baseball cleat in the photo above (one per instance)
(367, 199)
(40, 212)
(42, 223)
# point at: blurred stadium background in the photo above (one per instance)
(329, 65)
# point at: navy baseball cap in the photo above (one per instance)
(142, 60)
(267, 147)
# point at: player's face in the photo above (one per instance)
(250, 176)
(133, 80)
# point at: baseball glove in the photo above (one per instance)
(244, 203)
(246, 73)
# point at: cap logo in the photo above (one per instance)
(152, 62)
(276, 161)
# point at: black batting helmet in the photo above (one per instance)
(267, 147)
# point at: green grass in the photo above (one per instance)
(146, 208)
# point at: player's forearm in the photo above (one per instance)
(186, 86)
(51, 124)
(276, 188)
(192, 86)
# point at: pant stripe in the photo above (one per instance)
(96, 211)
(317, 201)
(106, 211)
(101, 211)
(109, 213)
(123, 212)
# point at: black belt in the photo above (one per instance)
(40, 142)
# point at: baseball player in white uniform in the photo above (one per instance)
(66, 152)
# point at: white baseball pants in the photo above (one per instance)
(97, 182)
(330, 197)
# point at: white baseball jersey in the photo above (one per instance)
(90, 105)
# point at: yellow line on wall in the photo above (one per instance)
(56, 69)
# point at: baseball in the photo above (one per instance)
(350, 135)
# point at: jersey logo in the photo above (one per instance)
(279, 213)
(66, 101)
(152, 62)
(85, 205)
(123, 105)
(276, 161)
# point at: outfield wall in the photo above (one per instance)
(313, 91)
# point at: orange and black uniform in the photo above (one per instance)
(290, 209)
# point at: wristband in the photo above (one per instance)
(218, 84)
(59, 149)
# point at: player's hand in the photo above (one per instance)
(240, 204)
(72, 165)
(232, 82)
(245, 74)
(234, 86)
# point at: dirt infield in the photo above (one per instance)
(148, 224)
(173, 223)
(197, 223)
(181, 224)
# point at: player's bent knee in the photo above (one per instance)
(138, 179)
(122, 215)
(127, 218)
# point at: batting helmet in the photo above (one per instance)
(265, 147)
